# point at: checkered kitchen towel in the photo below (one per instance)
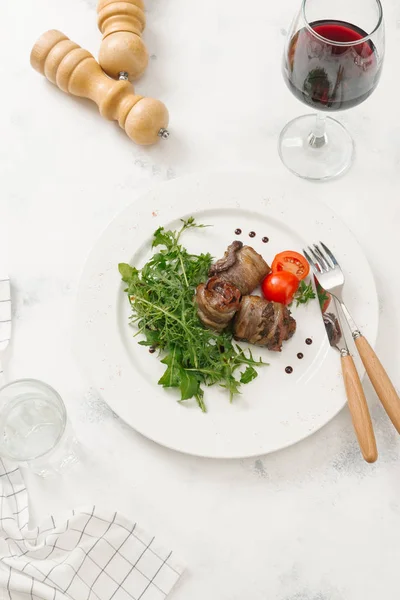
(88, 555)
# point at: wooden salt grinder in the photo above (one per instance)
(75, 71)
(123, 54)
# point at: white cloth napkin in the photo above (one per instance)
(89, 555)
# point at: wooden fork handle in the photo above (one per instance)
(380, 380)
(359, 410)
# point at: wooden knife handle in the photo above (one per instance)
(380, 380)
(359, 410)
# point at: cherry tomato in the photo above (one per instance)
(293, 262)
(280, 287)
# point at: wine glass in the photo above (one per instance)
(333, 60)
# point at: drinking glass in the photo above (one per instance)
(34, 429)
(332, 61)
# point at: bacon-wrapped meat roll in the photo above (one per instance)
(242, 266)
(217, 302)
(263, 323)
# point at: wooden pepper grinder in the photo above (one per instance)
(123, 54)
(75, 71)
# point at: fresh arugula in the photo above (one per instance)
(161, 296)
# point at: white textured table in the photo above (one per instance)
(313, 522)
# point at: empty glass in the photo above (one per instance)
(34, 430)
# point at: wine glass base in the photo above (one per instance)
(319, 161)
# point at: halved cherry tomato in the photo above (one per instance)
(293, 262)
(280, 287)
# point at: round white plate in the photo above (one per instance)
(276, 409)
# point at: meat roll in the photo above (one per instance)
(217, 302)
(263, 323)
(242, 266)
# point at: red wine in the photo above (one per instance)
(327, 76)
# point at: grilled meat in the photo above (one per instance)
(242, 266)
(217, 302)
(263, 323)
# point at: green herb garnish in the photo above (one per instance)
(304, 293)
(161, 296)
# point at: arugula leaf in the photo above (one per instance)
(151, 337)
(189, 385)
(248, 375)
(232, 385)
(126, 271)
(200, 401)
(163, 238)
(305, 293)
(172, 375)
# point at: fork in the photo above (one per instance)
(5, 319)
(330, 276)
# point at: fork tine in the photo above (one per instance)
(317, 260)
(322, 258)
(329, 253)
(326, 256)
(315, 266)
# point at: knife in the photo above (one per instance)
(355, 394)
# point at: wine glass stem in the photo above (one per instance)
(318, 138)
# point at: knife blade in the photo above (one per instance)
(355, 394)
(333, 328)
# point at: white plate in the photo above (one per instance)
(276, 409)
